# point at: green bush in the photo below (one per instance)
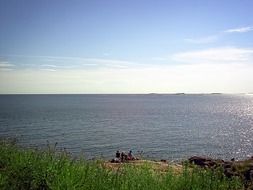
(30, 169)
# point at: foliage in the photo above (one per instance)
(33, 169)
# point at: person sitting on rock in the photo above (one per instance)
(130, 156)
(117, 157)
(123, 156)
(118, 154)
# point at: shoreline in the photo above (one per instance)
(25, 168)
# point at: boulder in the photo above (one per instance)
(248, 174)
(205, 162)
(242, 168)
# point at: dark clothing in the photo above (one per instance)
(117, 154)
(123, 156)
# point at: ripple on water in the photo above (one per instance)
(162, 126)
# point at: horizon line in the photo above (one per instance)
(151, 93)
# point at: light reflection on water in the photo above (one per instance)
(162, 126)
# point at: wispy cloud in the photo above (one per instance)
(59, 66)
(47, 65)
(216, 55)
(107, 61)
(159, 58)
(51, 70)
(5, 64)
(202, 40)
(97, 60)
(239, 30)
(90, 64)
(77, 60)
(215, 37)
(190, 78)
(116, 66)
(5, 69)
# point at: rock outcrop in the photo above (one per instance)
(242, 168)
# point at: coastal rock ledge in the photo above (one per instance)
(241, 168)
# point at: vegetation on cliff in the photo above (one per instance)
(34, 169)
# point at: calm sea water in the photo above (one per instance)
(162, 126)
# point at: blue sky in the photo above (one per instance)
(133, 46)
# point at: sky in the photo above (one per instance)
(126, 46)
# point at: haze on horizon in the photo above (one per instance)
(118, 46)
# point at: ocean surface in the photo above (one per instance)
(154, 126)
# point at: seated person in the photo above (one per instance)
(130, 156)
(123, 156)
(117, 157)
(118, 154)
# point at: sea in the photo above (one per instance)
(153, 126)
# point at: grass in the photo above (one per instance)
(33, 169)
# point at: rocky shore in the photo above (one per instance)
(233, 168)
(22, 168)
(241, 168)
